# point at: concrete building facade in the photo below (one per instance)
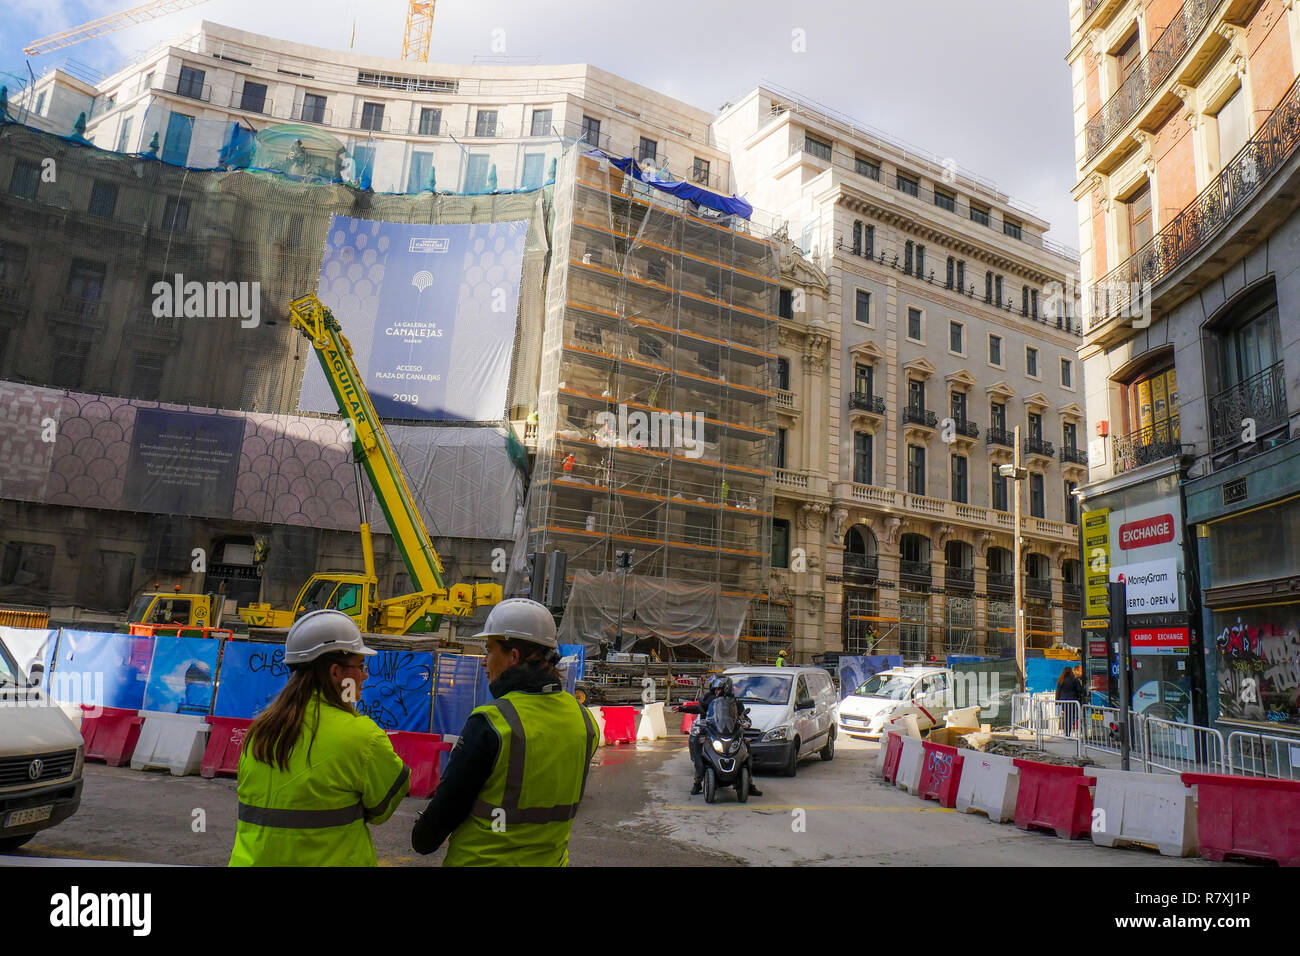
(1187, 118)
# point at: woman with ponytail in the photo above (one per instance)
(313, 772)
(514, 780)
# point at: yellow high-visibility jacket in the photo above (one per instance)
(316, 813)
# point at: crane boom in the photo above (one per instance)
(114, 21)
(419, 30)
(370, 445)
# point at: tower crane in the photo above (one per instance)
(116, 21)
(419, 30)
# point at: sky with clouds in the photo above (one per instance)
(984, 82)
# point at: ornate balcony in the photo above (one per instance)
(1000, 436)
(1039, 447)
(997, 581)
(861, 567)
(1074, 456)
(1260, 400)
(919, 417)
(1146, 445)
(961, 578)
(1071, 593)
(1038, 587)
(864, 402)
(1240, 181)
(1150, 74)
(916, 570)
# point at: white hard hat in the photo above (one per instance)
(521, 619)
(323, 632)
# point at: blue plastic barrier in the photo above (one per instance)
(461, 686)
(106, 670)
(182, 675)
(397, 694)
(854, 670)
(252, 674)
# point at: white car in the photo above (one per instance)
(920, 691)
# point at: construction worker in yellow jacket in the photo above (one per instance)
(514, 780)
(314, 773)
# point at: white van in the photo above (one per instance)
(41, 756)
(792, 713)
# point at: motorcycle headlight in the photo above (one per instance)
(778, 734)
(719, 747)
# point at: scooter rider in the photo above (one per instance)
(719, 686)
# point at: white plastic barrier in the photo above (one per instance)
(172, 742)
(910, 765)
(652, 725)
(1148, 808)
(989, 784)
(880, 755)
(599, 716)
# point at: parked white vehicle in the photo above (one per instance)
(41, 757)
(921, 691)
(791, 712)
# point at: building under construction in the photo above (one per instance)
(655, 414)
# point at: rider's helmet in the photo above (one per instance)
(720, 685)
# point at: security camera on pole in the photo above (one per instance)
(1018, 474)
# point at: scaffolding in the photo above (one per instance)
(656, 417)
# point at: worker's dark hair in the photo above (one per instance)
(540, 660)
(1065, 675)
(272, 736)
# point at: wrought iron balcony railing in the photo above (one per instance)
(959, 578)
(966, 427)
(1074, 455)
(1039, 446)
(919, 416)
(1146, 445)
(1149, 74)
(915, 569)
(1072, 593)
(860, 566)
(863, 401)
(1039, 587)
(997, 581)
(1000, 436)
(1240, 181)
(1259, 400)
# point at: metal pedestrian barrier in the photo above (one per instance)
(1057, 719)
(1182, 748)
(1263, 755)
(1101, 732)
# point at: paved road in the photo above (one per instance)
(637, 813)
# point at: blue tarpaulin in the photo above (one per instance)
(855, 670)
(731, 205)
(576, 655)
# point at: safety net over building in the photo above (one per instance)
(655, 412)
(111, 366)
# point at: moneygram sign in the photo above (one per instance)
(1147, 532)
(1152, 586)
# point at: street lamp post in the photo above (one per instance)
(1017, 474)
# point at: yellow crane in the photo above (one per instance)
(114, 21)
(419, 30)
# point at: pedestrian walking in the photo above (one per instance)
(517, 774)
(1069, 688)
(314, 773)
